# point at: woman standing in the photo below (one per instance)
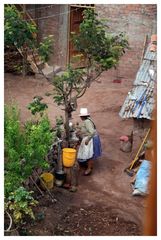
(90, 147)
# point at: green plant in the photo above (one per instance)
(20, 204)
(14, 148)
(100, 48)
(38, 139)
(25, 148)
(22, 34)
(12, 128)
(36, 106)
(18, 31)
(45, 48)
(12, 181)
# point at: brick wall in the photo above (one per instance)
(137, 20)
(51, 21)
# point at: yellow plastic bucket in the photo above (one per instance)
(47, 179)
(69, 156)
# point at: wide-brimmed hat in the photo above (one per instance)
(84, 112)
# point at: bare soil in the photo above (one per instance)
(103, 204)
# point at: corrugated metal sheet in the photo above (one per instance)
(139, 102)
(143, 75)
(150, 55)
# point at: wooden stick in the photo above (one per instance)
(144, 45)
(36, 185)
(140, 148)
(46, 187)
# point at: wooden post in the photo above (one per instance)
(150, 223)
(144, 47)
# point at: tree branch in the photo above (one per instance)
(40, 70)
(83, 92)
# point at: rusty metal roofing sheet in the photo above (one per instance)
(150, 55)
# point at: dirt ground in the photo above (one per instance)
(103, 204)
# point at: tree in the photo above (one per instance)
(101, 51)
(22, 33)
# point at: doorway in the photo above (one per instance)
(76, 18)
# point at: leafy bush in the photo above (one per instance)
(20, 203)
(25, 149)
(38, 140)
(12, 181)
(14, 148)
(12, 130)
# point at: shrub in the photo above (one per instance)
(20, 203)
(38, 140)
(14, 148)
(25, 149)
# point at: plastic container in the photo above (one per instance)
(69, 156)
(124, 138)
(48, 180)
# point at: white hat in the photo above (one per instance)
(84, 112)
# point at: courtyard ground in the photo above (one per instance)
(103, 204)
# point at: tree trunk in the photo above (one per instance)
(24, 68)
(67, 125)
